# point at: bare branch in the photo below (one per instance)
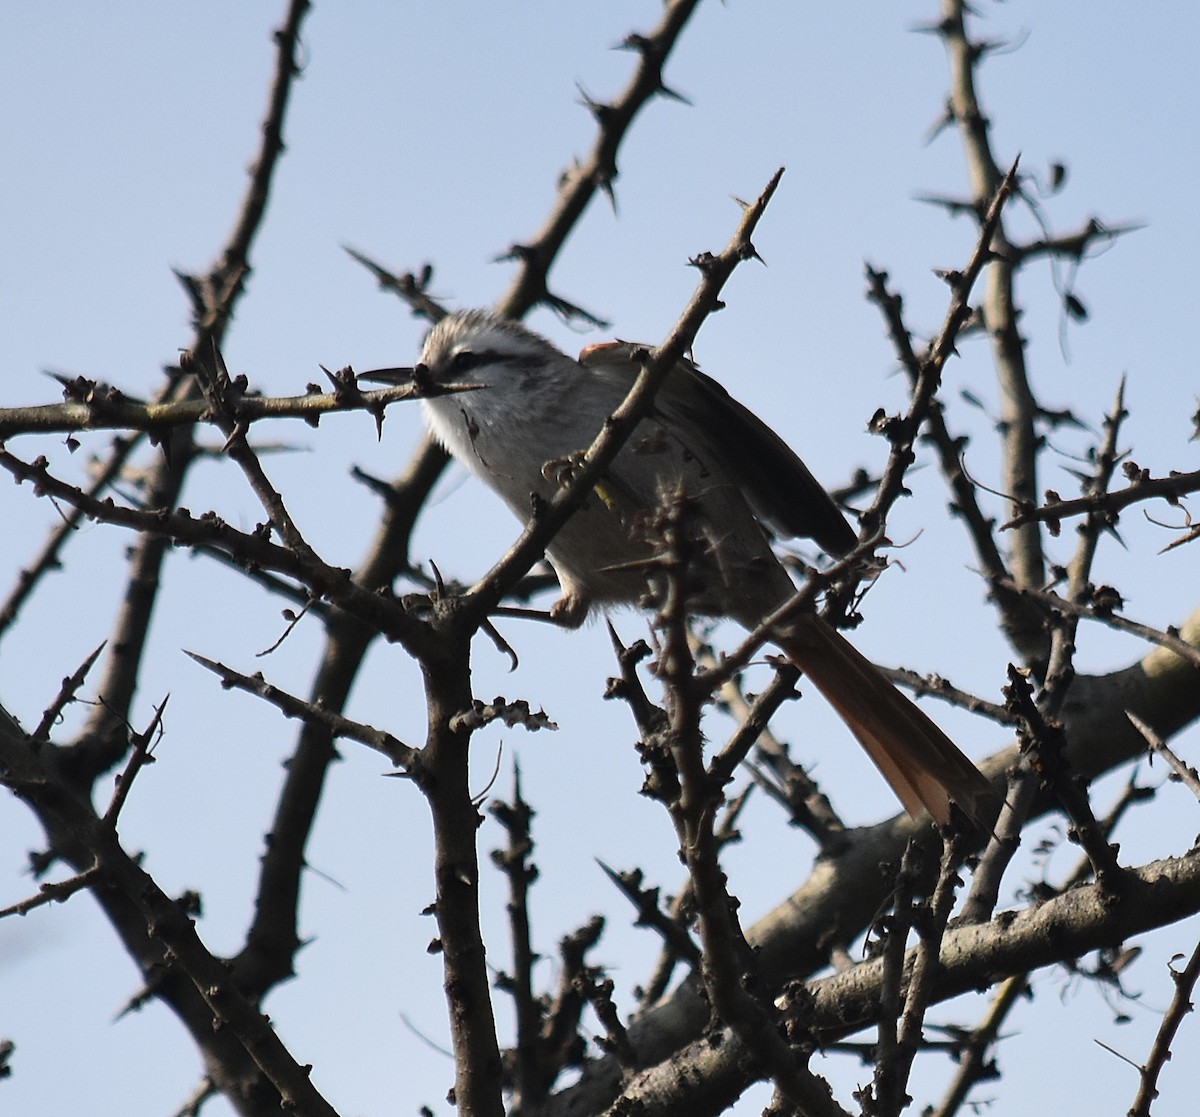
(413, 289)
(1021, 440)
(122, 413)
(530, 1080)
(66, 695)
(1097, 605)
(400, 754)
(139, 757)
(1181, 1005)
(1141, 488)
(902, 433)
(1067, 925)
(727, 965)
(1186, 773)
(598, 170)
(935, 686)
(974, 1066)
(54, 892)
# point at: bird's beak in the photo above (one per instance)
(395, 377)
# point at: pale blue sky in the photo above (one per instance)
(436, 132)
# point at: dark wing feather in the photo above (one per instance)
(783, 493)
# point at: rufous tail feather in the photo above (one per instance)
(924, 767)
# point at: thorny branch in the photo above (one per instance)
(203, 990)
(735, 990)
(110, 410)
(400, 754)
(1181, 1005)
(1071, 924)
(1141, 487)
(1022, 442)
(902, 433)
(597, 170)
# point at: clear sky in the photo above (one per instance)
(435, 132)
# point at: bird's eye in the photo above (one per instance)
(463, 361)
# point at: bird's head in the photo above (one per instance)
(477, 347)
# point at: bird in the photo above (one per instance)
(534, 413)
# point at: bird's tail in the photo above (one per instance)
(923, 766)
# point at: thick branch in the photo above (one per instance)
(1063, 928)
(792, 941)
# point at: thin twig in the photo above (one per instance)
(400, 754)
(54, 892)
(887, 1089)
(102, 742)
(413, 289)
(139, 757)
(902, 433)
(1022, 443)
(561, 1043)
(645, 902)
(1101, 611)
(248, 548)
(926, 965)
(789, 784)
(935, 686)
(1181, 1005)
(1108, 504)
(1023, 784)
(1186, 773)
(66, 695)
(973, 1063)
(683, 908)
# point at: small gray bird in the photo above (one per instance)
(538, 409)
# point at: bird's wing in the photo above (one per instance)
(783, 493)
